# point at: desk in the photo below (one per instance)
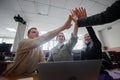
(3, 65)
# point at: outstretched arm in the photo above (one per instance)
(72, 42)
(111, 14)
(75, 31)
(81, 13)
(33, 43)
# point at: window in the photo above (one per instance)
(49, 45)
(6, 40)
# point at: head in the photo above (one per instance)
(60, 38)
(105, 47)
(87, 38)
(33, 33)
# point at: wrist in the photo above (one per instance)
(75, 19)
(63, 27)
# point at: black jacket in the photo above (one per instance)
(111, 14)
(95, 51)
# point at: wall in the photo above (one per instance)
(112, 36)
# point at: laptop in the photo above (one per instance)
(5, 47)
(70, 70)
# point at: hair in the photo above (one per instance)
(30, 30)
(105, 47)
(58, 35)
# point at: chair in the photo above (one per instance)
(117, 58)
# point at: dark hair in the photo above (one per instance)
(30, 30)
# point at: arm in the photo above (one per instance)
(33, 43)
(93, 35)
(111, 14)
(81, 14)
(75, 31)
(73, 39)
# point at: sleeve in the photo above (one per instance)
(111, 14)
(28, 44)
(72, 42)
(93, 35)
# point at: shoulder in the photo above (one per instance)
(23, 41)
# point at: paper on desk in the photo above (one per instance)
(114, 73)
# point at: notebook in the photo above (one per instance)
(70, 70)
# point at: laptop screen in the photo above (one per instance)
(5, 47)
(69, 70)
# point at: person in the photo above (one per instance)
(92, 49)
(111, 14)
(107, 60)
(62, 52)
(105, 49)
(29, 54)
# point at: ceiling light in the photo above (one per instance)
(11, 29)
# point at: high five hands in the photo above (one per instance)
(78, 13)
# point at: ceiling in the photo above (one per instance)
(46, 15)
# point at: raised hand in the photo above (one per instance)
(68, 24)
(74, 15)
(78, 13)
(81, 12)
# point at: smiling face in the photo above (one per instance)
(60, 38)
(87, 38)
(33, 33)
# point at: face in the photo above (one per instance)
(87, 38)
(33, 33)
(60, 37)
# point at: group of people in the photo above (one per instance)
(29, 54)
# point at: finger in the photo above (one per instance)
(85, 12)
(77, 12)
(80, 10)
(72, 12)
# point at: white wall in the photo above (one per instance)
(112, 37)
